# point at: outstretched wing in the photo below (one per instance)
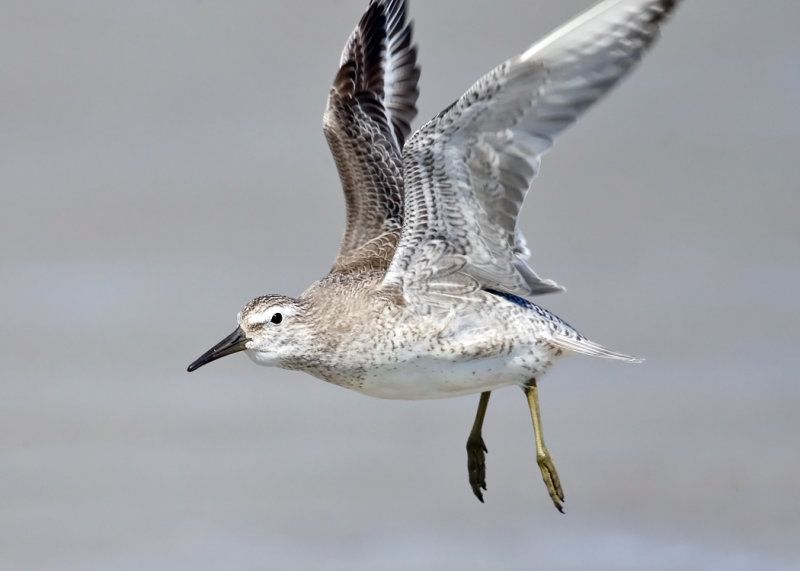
(468, 170)
(370, 108)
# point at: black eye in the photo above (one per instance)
(276, 318)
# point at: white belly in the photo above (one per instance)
(430, 377)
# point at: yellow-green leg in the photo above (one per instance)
(543, 457)
(476, 450)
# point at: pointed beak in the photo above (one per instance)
(233, 343)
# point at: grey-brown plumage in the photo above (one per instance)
(428, 297)
(370, 109)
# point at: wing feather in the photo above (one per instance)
(467, 171)
(370, 108)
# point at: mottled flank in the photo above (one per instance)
(428, 297)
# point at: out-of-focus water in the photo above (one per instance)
(161, 164)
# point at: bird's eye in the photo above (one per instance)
(276, 318)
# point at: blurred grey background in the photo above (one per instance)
(161, 163)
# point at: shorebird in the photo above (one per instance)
(429, 294)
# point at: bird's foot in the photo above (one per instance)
(550, 477)
(476, 465)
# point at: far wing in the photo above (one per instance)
(467, 171)
(370, 107)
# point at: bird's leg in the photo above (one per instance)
(543, 457)
(476, 450)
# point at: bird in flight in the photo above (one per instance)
(429, 296)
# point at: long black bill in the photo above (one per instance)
(233, 343)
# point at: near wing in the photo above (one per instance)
(467, 170)
(370, 107)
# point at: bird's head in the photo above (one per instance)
(271, 329)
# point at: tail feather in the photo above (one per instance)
(586, 347)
